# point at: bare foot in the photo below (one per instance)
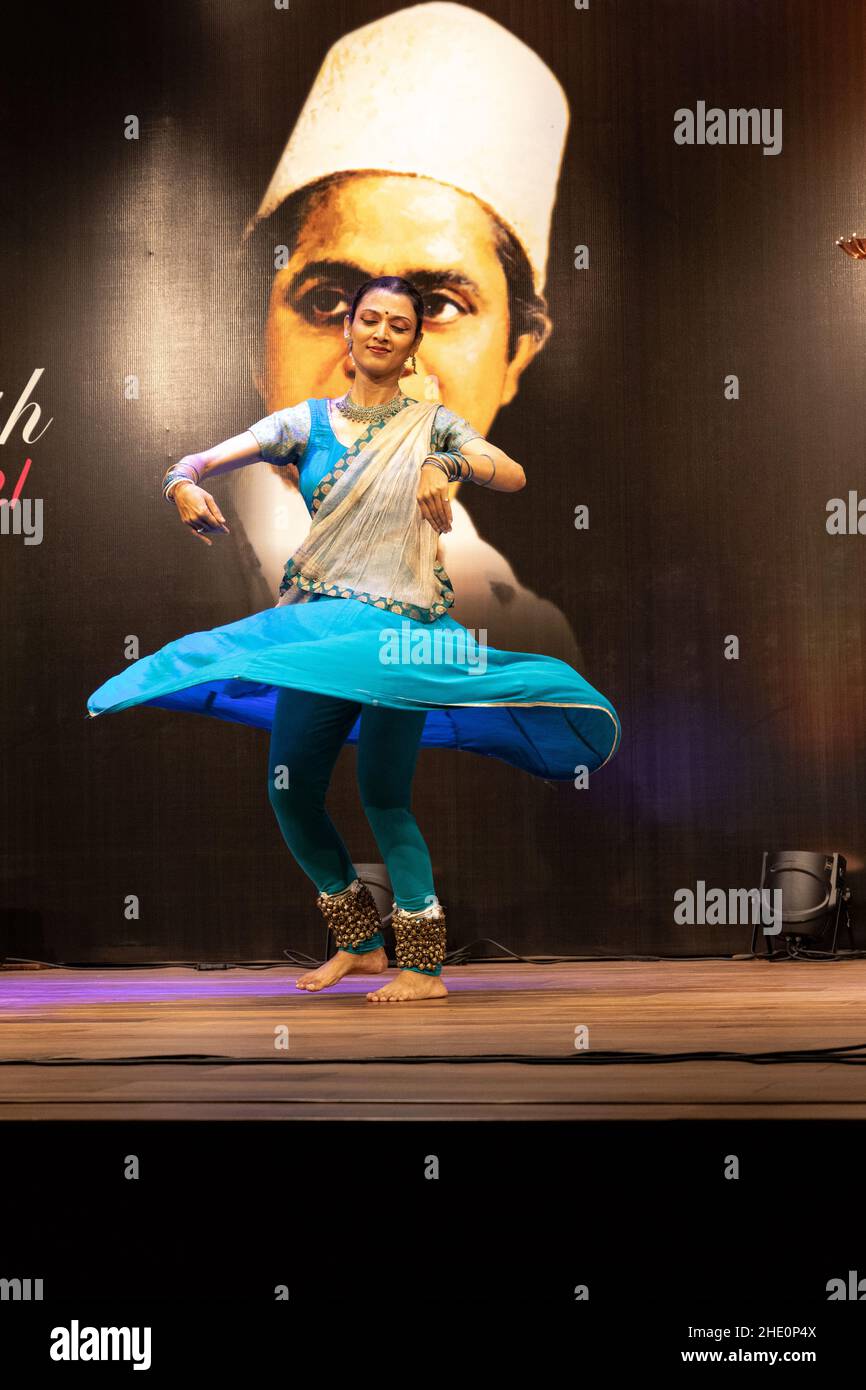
(344, 963)
(409, 984)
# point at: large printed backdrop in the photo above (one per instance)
(707, 515)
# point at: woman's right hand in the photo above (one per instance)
(432, 498)
(198, 510)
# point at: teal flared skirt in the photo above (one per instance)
(530, 710)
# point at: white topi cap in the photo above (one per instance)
(485, 115)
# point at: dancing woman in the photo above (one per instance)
(374, 469)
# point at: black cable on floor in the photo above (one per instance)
(839, 1054)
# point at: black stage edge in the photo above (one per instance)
(676, 1258)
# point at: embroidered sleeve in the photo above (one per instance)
(283, 436)
(451, 431)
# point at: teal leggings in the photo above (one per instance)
(307, 734)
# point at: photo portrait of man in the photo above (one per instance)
(454, 192)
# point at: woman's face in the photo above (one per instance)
(383, 333)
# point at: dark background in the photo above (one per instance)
(707, 516)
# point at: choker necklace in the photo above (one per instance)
(353, 411)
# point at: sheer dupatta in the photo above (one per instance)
(368, 539)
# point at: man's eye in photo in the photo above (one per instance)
(324, 302)
(440, 309)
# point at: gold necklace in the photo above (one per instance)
(353, 411)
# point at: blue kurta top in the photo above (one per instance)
(302, 434)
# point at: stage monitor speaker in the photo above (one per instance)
(815, 895)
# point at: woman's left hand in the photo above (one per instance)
(433, 498)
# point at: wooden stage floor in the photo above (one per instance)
(350, 1059)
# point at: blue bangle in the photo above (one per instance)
(173, 476)
(454, 467)
(437, 463)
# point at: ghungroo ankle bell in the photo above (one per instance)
(419, 936)
(352, 915)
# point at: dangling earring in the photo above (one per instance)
(414, 364)
(349, 349)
